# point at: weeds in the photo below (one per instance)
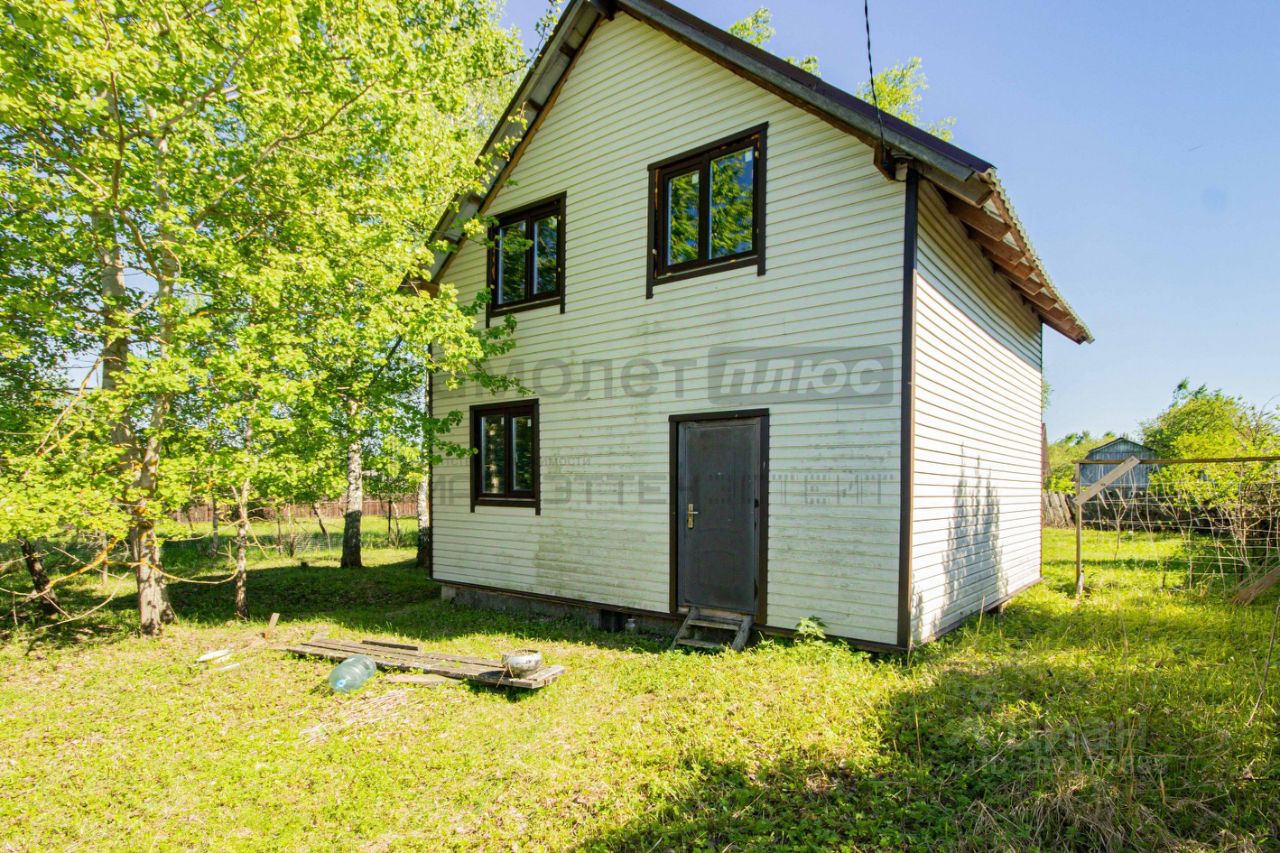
(1116, 722)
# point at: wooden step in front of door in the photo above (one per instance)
(714, 630)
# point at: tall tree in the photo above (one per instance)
(166, 143)
(757, 29)
(898, 90)
(1203, 422)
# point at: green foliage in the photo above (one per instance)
(757, 29)
(811, 629)
(1118, 721)
(1065, 453)
(1201, 423)
(219, 207)
(900, 91)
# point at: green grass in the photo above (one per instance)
(1117, 722)
(302, 534)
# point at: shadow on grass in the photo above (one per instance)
(1026, 755)
(391, 598)
(1096, 728)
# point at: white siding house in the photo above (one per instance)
(840, 419)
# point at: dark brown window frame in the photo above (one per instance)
(528, 214)
(510, 410)
(699, 159)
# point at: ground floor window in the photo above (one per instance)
(504, 462)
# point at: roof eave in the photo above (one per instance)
(530, 100)
(969, 180)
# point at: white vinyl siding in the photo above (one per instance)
(834, 259)
(976, 507)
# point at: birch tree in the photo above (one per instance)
(166, 142)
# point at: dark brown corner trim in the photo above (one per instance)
(906, 446)
(608, 8)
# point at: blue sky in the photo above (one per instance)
(1140, 142)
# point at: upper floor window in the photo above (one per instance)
(707, 209)
(526, 258)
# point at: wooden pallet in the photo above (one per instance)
(730, 630)
(403, 656)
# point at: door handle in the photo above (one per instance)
(691, 513)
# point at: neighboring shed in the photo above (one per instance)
(1119, 450)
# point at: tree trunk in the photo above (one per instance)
(214, 544)
(115, 346)
(424, 525)
(315, 507)
(279, 532)
(154, 607)
(39, 580)
(293, 533)
(424, 485)
(153, 599)
(153, 594)
(242, 554)
(354, 508)
(388, 521)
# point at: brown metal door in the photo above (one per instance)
(717, 513)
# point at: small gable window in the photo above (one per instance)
(707, 209)
(526, 258)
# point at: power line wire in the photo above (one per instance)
(875, 98)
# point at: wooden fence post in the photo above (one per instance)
(1079, 537)
(1083, 496)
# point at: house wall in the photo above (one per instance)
(976, 494)
(833, 285)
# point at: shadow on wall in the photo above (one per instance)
(971, 571)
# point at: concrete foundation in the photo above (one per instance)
(603, 618)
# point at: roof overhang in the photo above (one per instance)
(969, 184)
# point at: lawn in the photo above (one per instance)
(1120, 721)
(302, 535)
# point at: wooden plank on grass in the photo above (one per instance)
(477, 670)
(424, 679)
(387, 645)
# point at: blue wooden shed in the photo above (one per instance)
(1120, 449)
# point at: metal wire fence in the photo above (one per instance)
(278, 534)
(1216, 520)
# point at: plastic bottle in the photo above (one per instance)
(350, 675)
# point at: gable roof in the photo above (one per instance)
(968, 183)
(1125, 446)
